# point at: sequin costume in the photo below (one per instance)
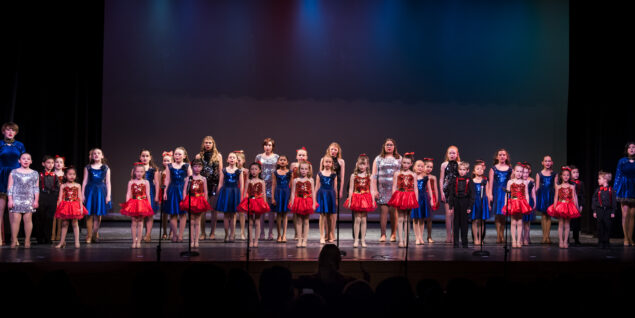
(210, 172)
(532, 215)
(424, 209)
(229, 193)
(480, 209)
(451, 172)
(153, 192)
(325, 195)
(138, 205)
(255, 202)
(498, 189)
(23, 190)
(386, 168)
(624, 185)
(70, 207)
(282, 193)
(545, 192)
(404, 198)
(10, 151)
(268, 168)
(175, 190)
(565, 207)
(303, 201)
(96, 191)
(361, 199)
(198, 202)
(517, 203)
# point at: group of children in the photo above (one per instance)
(205, 186)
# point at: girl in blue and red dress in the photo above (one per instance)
(10, 151)
(360, 198)
(499, 174)
(70, 207)
(175, 183)
(564, 207)
(254, 202)
(517, 205)
(302, 202)
(531, 189)
(480, 209)
(153, 176)
(138, 202)
(326, 183)
(545, 191)
(97, 190)
(405, 195)
(281, 190)
(196, 201)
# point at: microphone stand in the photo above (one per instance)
(407, 242)
(506, 246)
(249, 231)
(160, 232)
(189, 252)
(481, 252)
(337, 209)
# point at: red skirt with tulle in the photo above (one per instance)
(361, 202)
(70, 210)
(137, 207)
(516, 207)
(404, 200)
(257, 206)
(199, 204)
(302, 206)
(563, 210)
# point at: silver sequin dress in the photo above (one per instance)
(386, 168)
(268, 167)
(23, 190)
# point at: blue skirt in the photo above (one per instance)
(175, 196)
(281, 196)
(95, 197)
(228, 199)
(327, 203)
(153, 192)
(544, 198)
(424, 210)
(480, 209)
(498, 200)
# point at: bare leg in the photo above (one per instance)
(513, 232)
(383, 221)
(261, 221)
(547, 228)
(561, 233)
(272, 217)
(226, 225)
(332, 223)
(567, 226)
(631, 224)
(417, 228)
(164, 224)
(15, 219)
(133, 231)
(285, 221)
(400, 228)
(363, 225)
(212, 233)
(526, 232)
(356, 227)
(257, 229)
(149, 222)
(64, 229)
(89, 229)
(305, 230)
(475, 231)
(279, 227)
(182, 223)
(96, 225)
(242, 225)
(75, 231)
(232, 219)
(201, 224)
(322, 226)
(173, 227)
(449, 224)
(295, 226)
(3, 205)
(428, 222)
(196, 225)
(393, 223)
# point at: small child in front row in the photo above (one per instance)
(70, 206)
(531, 189)
(302, 202)
(405, 195)
(325, 184)
(480, 209)
(360, 198)
(138, 202)
(23, 194)
(461, 200)
(424, 210)
(517, 205)
(604, 205)
(281, 190)
(196, 200)
(254, 203)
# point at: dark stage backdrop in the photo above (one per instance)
(480, 75)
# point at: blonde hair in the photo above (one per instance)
(185, 158)
(90, 156)
(606, 175)
(339, 150)
(361, 159)
(322, 162)
(458, 157)
(310, 174)
(215, 153)
(241, 156)
(464, 165)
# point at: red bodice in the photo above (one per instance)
(303, 189)
(565, 195)
(361, 184)
(71, 193)
(405, 182)
(138, 191)
(254, 190)
(198, 188)
(517, 190)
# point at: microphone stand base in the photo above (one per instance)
(480, 253)
(189, 254)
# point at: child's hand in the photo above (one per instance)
(273, 201)
(36, 205)
(595, 215)
(10, 204)
(107, 199)
(468, 211)
(442, 197)
(165, 195)
(612, 215)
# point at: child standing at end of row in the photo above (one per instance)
(480, 209)
(175, 182)
(70, 207)
(499, 175)
(138, 202)
(360, 198)
(195, 200)
(97, 192)
(281, 190)
(449, 171)
(405, 196)
(254, 202)
(23, 194)
(302, 202)
(564, 207)
(326, 183)
(152, 175)
(604, 205)
(461, 200)
(517, 205)
(545, 185)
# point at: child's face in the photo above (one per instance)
(419, 167)
(518, 172)
(363, 165)
(501, 156)
(71, 175)
(48, 164)
(525, 174)
(301, 155)
(268, 147)
(452, 153)
(59, 163)
(145, 157)
(167, 160)
(254, 170)
(566, 175)
(406, 164)
(283, 162)
(327, 163)
(9, 133)
(240, 160)
(208, 144)
(575, 174)
(25, 160)
(333, 151)
(304, 170)
(602, 181)
(389, 146)
(231, 159)
(462, 171)
(196, 169)
(97, 155)
(428, 167)
(139, 171)
(631, 150)
(478, 170)
(547, 162)
(178, 155)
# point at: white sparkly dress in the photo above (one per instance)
(23, 190)
(386, 168)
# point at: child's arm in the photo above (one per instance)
(342, 176)
(157, 187)
(472, 196)
(108, 186)
(594, 203)
(416, 187)
(555, 197)
(59, 196)
(317, 182)
(274, 180)
(575, 197)
(526, 182)
(241, 183)
(81, 193)
(373, 179)
(451, 194)
(442, 177)
(148, 197)
(490, 185)
(166, 183)
(508, 187)
(205, 188)
(394, 182)
(537, 180)
(221, 180)
(128, 191)
(10, 191)
(350, 190)
(85, 181)
(292, 192)
(335, 187)
(313, 196)
(186, 186)
(533, 196)
(36, 192)
(435, 190)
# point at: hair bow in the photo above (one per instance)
(167, 153)
(303, 148)
(363, 155)
(58, 156)
(565, 168)
(139, 163)
(409, 154)
(428, 159)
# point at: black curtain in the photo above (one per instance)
(601, 112)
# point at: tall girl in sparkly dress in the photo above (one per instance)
(499, 174)
(405, 195)
(360, 198)
(268, 160)
(625, 191)
(281, 189)
(97, 192)
(517, 205)
(326, 183)
(449, 171)
(545, 191)
(138, 202)
(175, 183)
(424, 210)
(212, 166)
(564, 207)
(70, 207)
(153, 176)
(531, 189)
(10, 151)
(480, 209)
(230, 187)
(23, 193)
(254, 202)
(384, 167)
(302, 202)
(196, 201)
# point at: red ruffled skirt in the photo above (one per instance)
(137, 207)
(257, 206)
(199, 204)
(403, 200)
(361, 202)
(516, 207)
(70, 210)
(563, 210)
(302, 206)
